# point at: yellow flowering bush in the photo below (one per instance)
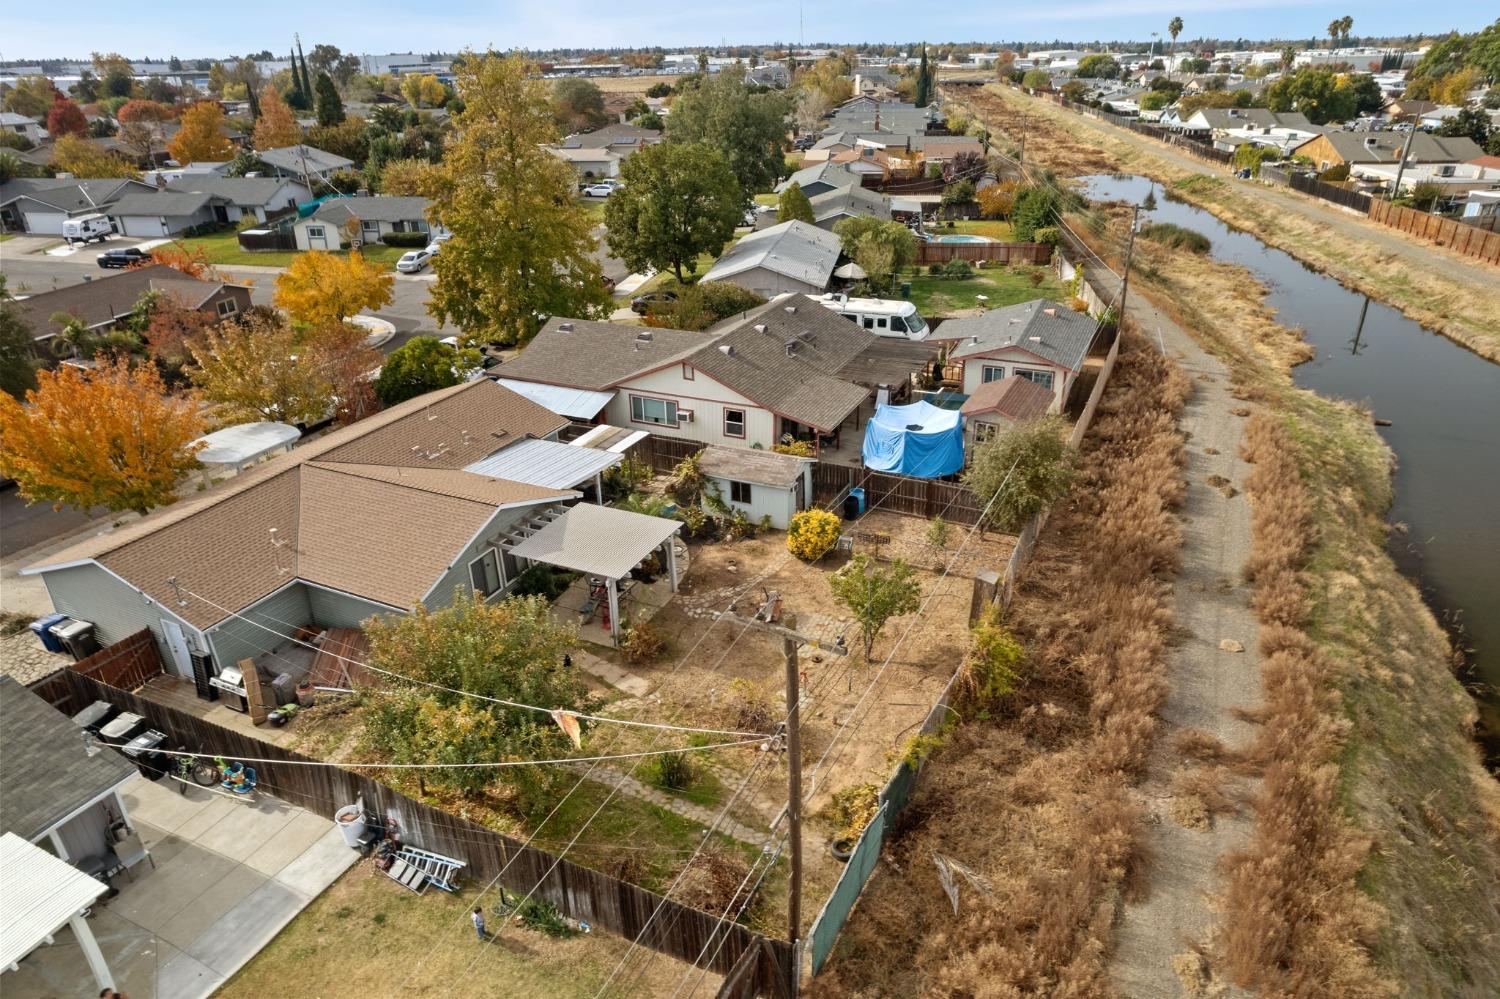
(812, 534)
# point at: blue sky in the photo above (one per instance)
(192, 28)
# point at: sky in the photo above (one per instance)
(194, 29)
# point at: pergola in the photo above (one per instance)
(603, 542)
(42, 895)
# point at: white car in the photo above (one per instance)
(413, 261)
(598, 190)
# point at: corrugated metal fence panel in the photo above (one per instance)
(835, 912)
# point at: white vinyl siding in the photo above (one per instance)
(708, 400)
(993, 373)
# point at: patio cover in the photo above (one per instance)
(245, 442)
(579, 404)
(919, 439)
(597, 540)
(546, 463)
(41, 894)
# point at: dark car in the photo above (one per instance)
(643, 304)
(805, 142)
(124, 257)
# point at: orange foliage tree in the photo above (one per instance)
(276, 127)
(111, 437)
(320, 289)
(192, 261)
(200, 136)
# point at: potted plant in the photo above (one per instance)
(305, 692)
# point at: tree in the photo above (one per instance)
(411, 177)
(200, 135)
(809, 108)
(346, 360)
(881, 249)
(1469, 122)
(422, 364)
(1174, 28)
(1098, 67)
(702, 304)
(522, 248)
(874, 594)
(578, 104)
(749, 128)
(321, 288)
(1019, 473)
(110, 437)
(1036, 79)
(257, 367)
(349, 138)
(423, 90)
(276, 127)
(18, 360)
(31, 96)
(678, 201)
(829, 79)
(1005, 65)
(924, 80)
(794, 205)
(511, 650)
(169, 324)
(65, 118)
(88, 160)
(1316, 91)
(191, 261)
(330, 107)
(116, 75)
(1346, 25)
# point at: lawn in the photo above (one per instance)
(224, 248)
(366, 935)
(594, 208)
(940, 297)
(993, 228)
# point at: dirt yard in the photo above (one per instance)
(633, 84)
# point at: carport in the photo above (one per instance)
(549, 464)
(42, 895)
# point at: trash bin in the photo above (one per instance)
(77, 638)
(906, 289)
(858, 495)
(95, 716)
(143, 751)
(42, 628)
(351, 822)
(122, 728)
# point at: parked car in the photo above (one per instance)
(413, 261)
(805, 142)
(123, 257)
(642, 304)
(598, 190)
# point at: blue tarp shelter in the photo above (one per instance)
(919, 439)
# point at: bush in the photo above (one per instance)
(993, 666)
(543, 581)
(800, 449)
(712, 881)
(851, 808)
(749, 707)
(937, 533)
(811, 534)
(961, 270)
(406, 239)
(1176, 237)
(642, 643)
(1337, 172)
(1024, 471)
(935, 270)
(536, 914)
(1047, 235)
(247, 221)
(673, 772)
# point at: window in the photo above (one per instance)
(983, 431)
(739, 492)
(662, 412)
(1042, 378)
(228, 307)
(370, 229)
(993, 373)
(734, 423)
(869, 322)
(687, 372)
(898, 324)
(484, 574)
(314, 232)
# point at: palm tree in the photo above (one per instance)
(1174, 28)
(1288, 56)
(1346, 25)
(1333, 31)
(73, 336)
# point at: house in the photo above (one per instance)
(790, 367)
(1231, 127)
(302, 162)
(19, 124)
(329, 226)
(832, 207)
(759, 484)
(103, 302)
(998, 405)
(258, 196)
(820, 179)
(621, 138)
(773, 74)
(370, 519)
(946, 148)
(1040, 341)
(588, 162)
(1407, 109)
(154, 214)
(1354, 148)
(789, 256)
(1455, 180)
(41, 205)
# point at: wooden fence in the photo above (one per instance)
(253, 241)
(126, 664)
(1466, 239)
(1308, 184)
(1005, 253)
(603, 901)
(928, 498)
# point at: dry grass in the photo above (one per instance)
(1036, 797)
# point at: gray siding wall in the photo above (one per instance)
(89, 593)
(86, 833)
(283, 611)
(340, 610)
(458, 573)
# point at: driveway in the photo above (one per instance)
(228, 876)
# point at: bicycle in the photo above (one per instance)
(200, 771)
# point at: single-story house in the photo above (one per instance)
(41, 205)
(820, 179)
(1041, 341)
(257, 196)
(590, 163)
(1355, 148)
(945, 148)
(789, 368)
(1230, 127)
(996, 406)
(373, 518)
(832, 207)
(28, 128)
(327, 227)
(1407, 109)
(758, 484)
(166, 213)
(1454, 180)
(621, 138)
(789, 256)
(104, 301)
(303, 162)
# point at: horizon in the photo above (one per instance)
(466, 24)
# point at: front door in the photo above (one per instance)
(177, 646)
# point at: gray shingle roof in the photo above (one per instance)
(792, 249)
(852, 200)
(1385, 147)
(106, 299)
(833, 174)
(581, 353)
(291, 159)
(248, 191)
(611, 135)
(1051, 331)
(374, 209)
(46, 772)
(168, 203)
(70, 195)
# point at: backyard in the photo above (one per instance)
(937, 297)
(224, 248)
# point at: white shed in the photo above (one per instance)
(759, 483)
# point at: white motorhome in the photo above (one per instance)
(88, 227)
(882, 316)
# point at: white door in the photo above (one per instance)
(177, 645)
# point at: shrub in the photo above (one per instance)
(673, 772)
(1176, 237)
(992, 667)
(749, 707)
(642, 643)
(247, 221)
(935, 270)
(800, 449)
(536, 914)
(959, 269)
(406, 239)
(937, 533)
(811, 534)
(687, 482)
(1337, 172)
(1023, 471)
(1046, 235)
(851, 808)
(712, 881)
(543, 581)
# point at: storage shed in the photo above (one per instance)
(758, 483)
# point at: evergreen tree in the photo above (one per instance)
(330, 106)
(296, 97)
(924, 80)
(307, 85)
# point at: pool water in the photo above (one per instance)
(962, 239)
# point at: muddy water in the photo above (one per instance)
(1444, 406)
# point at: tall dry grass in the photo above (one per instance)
(1035, 798)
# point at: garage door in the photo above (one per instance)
(44, 223)
(140, 226)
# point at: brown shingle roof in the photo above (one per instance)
(581, 353)
(107, 299)
(1015, 398)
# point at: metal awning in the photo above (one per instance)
(41, 894)
(578, 404)
(245, 442)
(598, 540)
(546, 463)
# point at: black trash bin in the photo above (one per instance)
(95, 716)
(121, 729)
(144, 751)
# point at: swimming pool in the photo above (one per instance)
(962, 239)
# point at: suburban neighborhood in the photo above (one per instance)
(616, 514)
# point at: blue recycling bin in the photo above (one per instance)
(858, 495)
(42, 628)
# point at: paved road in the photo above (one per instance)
(22, 526)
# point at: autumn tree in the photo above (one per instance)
(277, 127)
(200, 135)
(1021, 472)
(257, 367)
(323, 288)
(577, 104)
(65, 118)
(423, 91)
(88, 160)
(110, 437)
(168, 324)
(678, 201)
(192, 261)
(874, 594)
(793, 205)
(116, 74)
(411, 177)
(31, 96)
(522, 248)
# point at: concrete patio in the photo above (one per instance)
(228, 875)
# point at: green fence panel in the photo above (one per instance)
(825, 928)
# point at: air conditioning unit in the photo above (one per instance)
(684, 416)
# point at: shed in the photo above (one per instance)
(759, 483)
(996, 406)
(42, 894)
(918, 439)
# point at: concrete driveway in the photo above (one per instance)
(229, 875)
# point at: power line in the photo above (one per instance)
(491, 764)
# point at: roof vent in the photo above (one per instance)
(791, 309)
(727, 349)
(1050, 312)
(1035, 339)
(1371, 142)
(644, 336)
(791, 348)
(565, 327)
(760, 327)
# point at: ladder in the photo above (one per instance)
(431, 868)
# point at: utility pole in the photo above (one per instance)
(767, 619)
(1135, 212)
(1401, 167)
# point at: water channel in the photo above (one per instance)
(1443, 404)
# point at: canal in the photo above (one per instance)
(1443, 404)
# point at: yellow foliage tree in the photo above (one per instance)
(259, 368)
(111, 437)
(88, 160)
(199, 137)
(277, 126)
(423, 91)
(320, 289)
(411, 177)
